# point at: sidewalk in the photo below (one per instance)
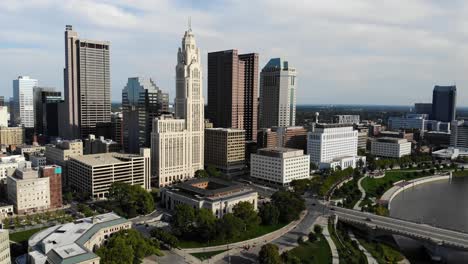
(370, 258)
(358, 206)
(323, 221)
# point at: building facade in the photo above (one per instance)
(390, 147)
(93, 145)
(9, 164)
(42, 97)
(278, 85)
(28, 192)
(288, 137)
(177, 144)
(346, 119)
(11, 136)
(459, 134)
(216, 195)
(23, 102)
(4, 116)
(250, 94)
(225, 150)
(87, 85)
(410, 121)
(444, 103)
(329, 143)
(61, 152)
(279, 166)
(5, 257)
(142, 101)
(423, 108)
(54, 173)
(93, 174)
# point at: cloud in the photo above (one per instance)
(361, 51)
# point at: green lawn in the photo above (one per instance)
(206, 255)
(382, 252)
(460, 173)
(348, 252)
(24, 235)
(260, 231)
(313, 252)
(376, 187)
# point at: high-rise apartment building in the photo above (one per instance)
(331, 145)
(42, 97)
(93, 174)
(277, 94)
(87, 85)
(177, 144)
(225, 150)
(23, 102)
(444, 103)
(232, 90)
(142, 101)
(5, 257)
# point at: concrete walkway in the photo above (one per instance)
(323, 222)
(357, 206)
(370, 258)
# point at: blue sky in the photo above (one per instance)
(356, 52)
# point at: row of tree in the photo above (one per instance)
(129, 200)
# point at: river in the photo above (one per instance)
(442, 203)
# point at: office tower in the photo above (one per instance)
(346, 119)
(177, 144)
(23, 106)
(332, 145)
(54, 173)
(51, 118)
(280, 166)
(233, 91)
(459, 134)
(11, 136)
(250, 95)
(93, 174)
(423, 108)
(444, 101)
(4, 116)
(142, 101)
(87, 85)
(225, 150)
(42, 97)
(5, 257)
(277, 94)
(27, 180)
(116, 128)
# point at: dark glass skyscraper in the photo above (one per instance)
(444, 100)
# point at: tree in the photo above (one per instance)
(229, 227)
(201, 174)
(318, 229)
(300, 186)
(130, 200)
(6, 223)
(205, 223)
(289, 204)
(165, 237)
(269, 254)
(67, 197)
(17, 222)
(183, 220)
(212, 171)
(269, 214)
(288, 258)
(312, 237)
(246, 212)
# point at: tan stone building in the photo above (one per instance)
(28, 192)
(5, 257)
(61, 152)
(11, 135)
(225, 150)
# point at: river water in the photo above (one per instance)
(441, 203)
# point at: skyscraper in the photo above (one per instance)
(232, 90)
(277, 94)
(43, 96)
(87, 85)
(177, 144)
(142, 101)
(444, 102)
(23, 105)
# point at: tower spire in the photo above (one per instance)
(190, 23)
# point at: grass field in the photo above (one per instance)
(260, 231)
(206, 255)
(349, 252)
(313, 252)
(24, 235)
(376, 187)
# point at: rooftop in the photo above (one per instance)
(225, 129)
(332, 125)
(392, 140)
(280, 152)
(103, 158)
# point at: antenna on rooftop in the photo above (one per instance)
(190, 23)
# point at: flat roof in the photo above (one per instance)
(225, 129)
(103, 158)
(333, 125)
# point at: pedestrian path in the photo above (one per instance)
(370, 258)
(357, 206)
(323, 222)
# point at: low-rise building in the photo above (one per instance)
(346, 119)
(225, 150)
(93, 174)
(11, 136)
(75, 242)
(397, 134)
(214, 194)
(61, 152)
(28, 192)
(450, 153)
(459, 134)
(280, 166)
(410, 121)
(29, 150)
(390, 147)
(38, 159)
(6, 210)
(8, 165)
(5, 257)
(93, 145)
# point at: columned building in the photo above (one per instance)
(178, 143)
(142, 101)
(87, 85)
(277, 94)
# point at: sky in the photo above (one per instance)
(389, 52)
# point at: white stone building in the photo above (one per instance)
(178, 144)
(332, 144)
(5, 257)
(390, 147)
(28, 192)
(279, 166)
(4, 116)
(23, 101)
(9, 164)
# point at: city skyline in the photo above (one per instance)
(401, 54)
